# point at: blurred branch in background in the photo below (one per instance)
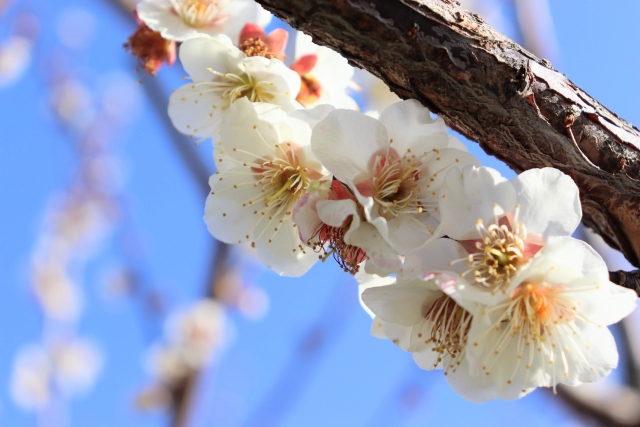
(298, 371)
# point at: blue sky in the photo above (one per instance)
(310, 361)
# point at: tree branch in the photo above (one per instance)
(627, 279)
(492, 91)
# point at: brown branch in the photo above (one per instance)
(492, 91)
(627, 279)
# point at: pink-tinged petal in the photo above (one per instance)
(304, 64)
(335, 212)
(530, 249)
(240, 12)
(381, 258)
(277, 42)
(305, 216)
(252, 31)
(549, 202)
(346, 141)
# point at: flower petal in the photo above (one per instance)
(401, 303)
(225, 216)
(194, 113)
(411, 127)
(549, 202)
(473, 194)
(200, 53)
(345, 142)
(282, 251)
(437, 256)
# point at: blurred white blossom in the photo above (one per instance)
(15, 58)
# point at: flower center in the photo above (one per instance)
(535, 307)
(394, 185)
(200, 13)
(256, 47)
(329, 240)
(450, 329)
(231, 87)
(284, 180)
(495, 258)
(538, 318)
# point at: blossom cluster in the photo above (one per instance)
(473, 274)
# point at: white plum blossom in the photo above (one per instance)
(549, 326)
(420, 316)
(193, 336)
(394, 166)
(265, 165)
(325, 75)
(77, 365)
(56, 293)
(221, 74)
(180, 20)
(70, 366)
(335, 225)
(500, 225)
(31, 378)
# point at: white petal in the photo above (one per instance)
(421, 347)
(346, 141)
(305, 45)
(286, 82)
(549, 202)
(406, 233)
(436, 169)
(376, 328)
(199, 54)
(475, 388)
(603, 303)
(472, 194)
(508, 377)
(159, 16)
(410, 126)
(456, 143)
(592, 355)
(366, 281)
(283, 254)
(381, 258)
(574, 253)
(225, 216)
(437, 256)
(397, 334)
(194, 113)
(303, 121)
(252, 130)
(401, 303)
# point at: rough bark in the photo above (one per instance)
(627, 279)
(493, 91)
